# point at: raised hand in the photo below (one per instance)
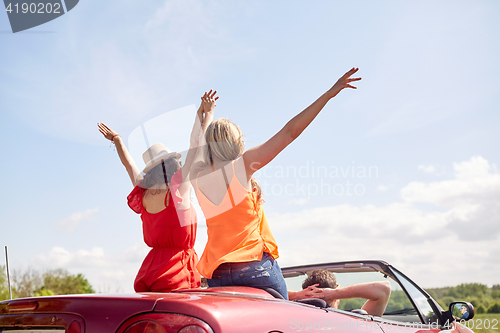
(128, 162)
(310, 292)
(208, 101)
(106, 131)
(313, 292)
(343, 82)
(207, 105)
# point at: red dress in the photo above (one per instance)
(171, 263)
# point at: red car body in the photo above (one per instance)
(222, 309)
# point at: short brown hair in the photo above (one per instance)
(324, 278)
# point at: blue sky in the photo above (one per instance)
(420, 132)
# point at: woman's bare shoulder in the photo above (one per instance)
(199, 167)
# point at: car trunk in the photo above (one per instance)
(95, 313)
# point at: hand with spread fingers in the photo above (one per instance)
(343, 82)
(310, 292)
(208, 101)
(125, 157)
(313, 292)
(207, 106)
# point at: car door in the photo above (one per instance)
(428, 317)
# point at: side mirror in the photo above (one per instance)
(461, 311)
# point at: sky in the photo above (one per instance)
(404, 169)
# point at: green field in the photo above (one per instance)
(485, 323)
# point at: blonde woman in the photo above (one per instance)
(241, 249)
(162, 198)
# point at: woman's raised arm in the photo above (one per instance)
(125, 157)
(257, 157)
(204, 116)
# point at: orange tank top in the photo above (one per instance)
(237, 228)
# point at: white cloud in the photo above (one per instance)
(414, 239)
(400, 220)
(70, 224)
(136, 253)
(106, 272)
(382, 188)
(428, 169)
(404, 234)
(62, 258)
(476, 182)
(298, 202)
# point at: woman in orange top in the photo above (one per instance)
(162, 197)
(241, 249)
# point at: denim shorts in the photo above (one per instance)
(262, 274)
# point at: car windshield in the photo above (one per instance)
(399, 307)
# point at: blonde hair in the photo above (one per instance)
(225, 142)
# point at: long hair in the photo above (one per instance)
(225, 142)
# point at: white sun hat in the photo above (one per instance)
(156, 154)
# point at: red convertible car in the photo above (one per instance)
(239, 309)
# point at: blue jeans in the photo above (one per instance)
(262, 274)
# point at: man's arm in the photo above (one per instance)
(309, 292)
(376, 294)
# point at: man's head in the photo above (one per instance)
(324, 278)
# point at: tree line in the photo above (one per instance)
(31, 282)
(484, 299)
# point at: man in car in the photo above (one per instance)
(465, 313)
(323, 284)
